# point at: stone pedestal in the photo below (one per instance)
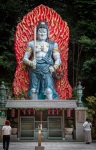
(80, 118)
(68, 134)
(68, 137)
(14, 131)
(14, 138)
(39, 147)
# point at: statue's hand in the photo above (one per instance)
(33, 63)
(51, 69)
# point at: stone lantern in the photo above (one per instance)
(3, 94)
(79, 94)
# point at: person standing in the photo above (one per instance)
(87, 131)
(6, 132)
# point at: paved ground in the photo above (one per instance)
(51, 146)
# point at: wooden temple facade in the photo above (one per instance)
(55, 116)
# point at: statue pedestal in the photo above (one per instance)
(39, 147)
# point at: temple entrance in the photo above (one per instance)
(51, 127)
(57, 123)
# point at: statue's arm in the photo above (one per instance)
(28, 53)
(56, 56)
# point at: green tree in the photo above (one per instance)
(83, 44)
(91, 103)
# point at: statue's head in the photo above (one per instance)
(42, 30)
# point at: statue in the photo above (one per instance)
(45, 60)
(59, 33)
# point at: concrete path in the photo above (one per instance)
(51, 146)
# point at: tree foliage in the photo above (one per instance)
(83, 44)
(91, 103)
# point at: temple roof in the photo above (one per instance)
(41, 104)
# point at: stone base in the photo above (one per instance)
(14, 138)
(68, 137)
(39, 147)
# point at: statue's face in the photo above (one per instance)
(42, 34)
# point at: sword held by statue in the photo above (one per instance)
(34, 55)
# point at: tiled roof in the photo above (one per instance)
(41, 104)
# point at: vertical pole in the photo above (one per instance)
(40, 116)
(35, 42)
(41, 119)
(40, 129)
(73, 61)
(18, 123)
(63, 124)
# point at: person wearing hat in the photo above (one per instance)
(45, 60)
(6, 132)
